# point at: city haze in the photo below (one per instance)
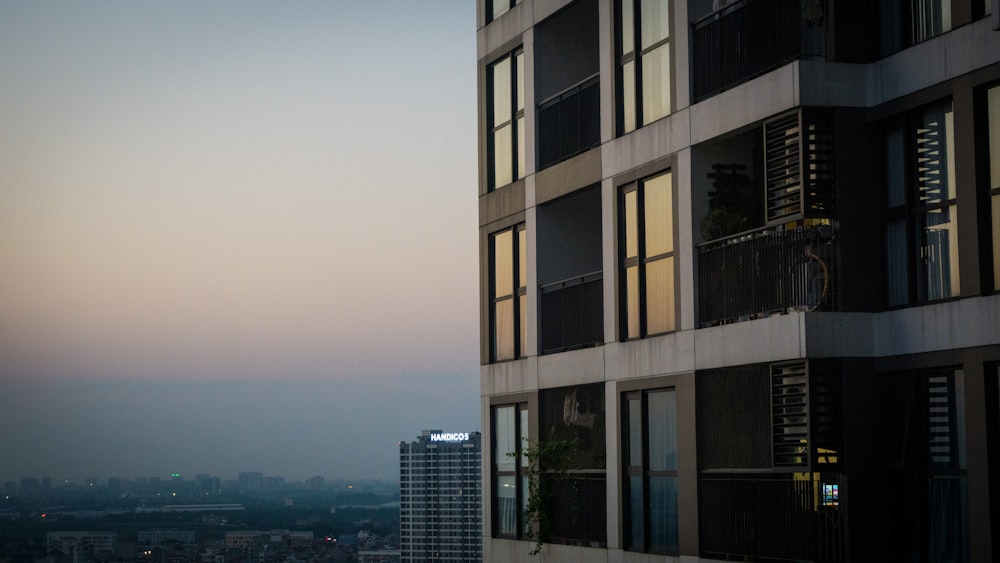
(234, 236)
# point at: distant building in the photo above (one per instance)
(379, 556)
(81, 546)
(251, 480)
(440, 508)
(157, 537)
(246, 538)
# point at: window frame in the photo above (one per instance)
(491, 8)
(519, 472)
(987, 144)
(516, 122)
(640, 261)
(635, 57)
(644, 471)
(518, 295)
(911, 213)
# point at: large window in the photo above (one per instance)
(921, 237)
(993, 118)
(508, 294)
(643, 62)
(506, 118)
(650, 452)
(647, 251)
(911, 21)
(510, 483)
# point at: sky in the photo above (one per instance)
(235, 235)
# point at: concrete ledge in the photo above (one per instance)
(781, 337)
(577, 367)
(661, 355)
(515, 376)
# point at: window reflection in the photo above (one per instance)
(920, 192)
(652, 471)
(644, 63)
(648, 267)
(510, 431)
(508, 294)
(506, 120)
(993, 142)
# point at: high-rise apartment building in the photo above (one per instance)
(440, 507)
(740, 279)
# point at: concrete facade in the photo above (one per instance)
(869, 346)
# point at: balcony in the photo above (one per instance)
(766, 271)
(748, 38)
(758, 517)
(572, 314)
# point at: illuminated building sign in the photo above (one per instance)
(450, 437)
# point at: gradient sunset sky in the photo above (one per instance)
(235, 235)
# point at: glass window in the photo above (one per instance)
(498, 8)
(508, 294)
(649, 297)
(510, 438)
(651, 469)
(910, 22)
(993, 142)
(506, 120)
(921, 237)
(644, 62)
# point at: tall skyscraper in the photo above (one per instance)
(440, 511)
(740, 279)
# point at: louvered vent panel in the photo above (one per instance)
(798, 166)
(782, 165)
(789, 414)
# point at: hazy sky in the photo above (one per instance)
(234, 235)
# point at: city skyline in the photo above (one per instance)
(236, 213)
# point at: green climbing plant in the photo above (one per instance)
(547, 460)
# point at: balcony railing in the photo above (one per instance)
(765, 272)
(572, 314)
(745, 518)
(748, 38)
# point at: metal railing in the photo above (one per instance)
(743, 40)
(571, 314)
(764, 272)
(767, 519)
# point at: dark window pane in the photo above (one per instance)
(634, 432)
(632, 301)
(895, 253)
(663, 514)
(937, 236)
(636, 504)
(662, 430)
(506, 506)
